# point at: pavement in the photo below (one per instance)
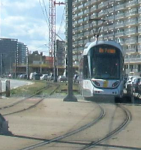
(54, 117)
(13, 83)
(51, 118)
(50, 112)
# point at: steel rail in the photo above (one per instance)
(56, 139)
(114, 132)
(32, 106)
(20, 101)
(79, 143)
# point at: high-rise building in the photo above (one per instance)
(22, 49)
(12, 53)
(60, 53)
(118, 20)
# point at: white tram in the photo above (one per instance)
(101, 70)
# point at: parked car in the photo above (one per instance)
(37, 76)
(76, 78)
(129, 81)
(32, 74)
(50, 77)
(44, 77)
(23, 76)
(62, 79)
(135, 83)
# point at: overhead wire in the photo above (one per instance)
(46, 16)
(61, 21)
(44, 11)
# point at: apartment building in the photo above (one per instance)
(60, 53)
(119, 20)
(12, 53)
(21, 55)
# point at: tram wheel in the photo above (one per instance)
(118, 100)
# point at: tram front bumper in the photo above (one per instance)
(107, 93)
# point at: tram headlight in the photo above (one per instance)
(115, 84)
(96, 83)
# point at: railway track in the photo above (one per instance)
(85, 145)
(58, 138)
(25, 99)
(92, 144)
(125, 122)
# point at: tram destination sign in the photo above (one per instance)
(107, 50)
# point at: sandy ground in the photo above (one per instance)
(54, 117)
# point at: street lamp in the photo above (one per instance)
(27, 64)
(70, 97)
(1, 64)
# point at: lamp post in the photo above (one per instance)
(27, 64)
(54, 62)
(70, 97)
(114, 22)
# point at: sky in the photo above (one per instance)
(26, 21)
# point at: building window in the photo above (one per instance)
(139, 68)
(131, 67)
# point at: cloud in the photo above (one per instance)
(25, 27)
(24, 20)
(20, 5)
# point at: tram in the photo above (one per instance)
(101, 70)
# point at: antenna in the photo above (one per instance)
(100, 28)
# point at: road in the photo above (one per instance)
(13, 83)
(53, 117)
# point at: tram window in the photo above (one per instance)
(105, 62)
(85, 67)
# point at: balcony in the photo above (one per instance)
(139, 19)
(119, 16)
(86, 26)
(110, 27)
(80, 6)
(111, 18)
(139, 31)
(131, 13)
(94, 1)
(139, 50)
(86, 33)
(131, 3)
(93, 8)
(119, 25)
(133, 60)
(111, 10)
(119, 7)
(130, 41)
(119, 34)
(101, 5)
(139, 1)
(101, 14)
(131, 22)
(130, 32)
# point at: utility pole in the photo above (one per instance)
(70, 97)
(54, 61)
(52, 39)
(16, 59)
(1, 64)
(27, 64)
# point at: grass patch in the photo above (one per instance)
(64, 88)
(28, 90)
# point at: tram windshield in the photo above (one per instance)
(105, 62)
